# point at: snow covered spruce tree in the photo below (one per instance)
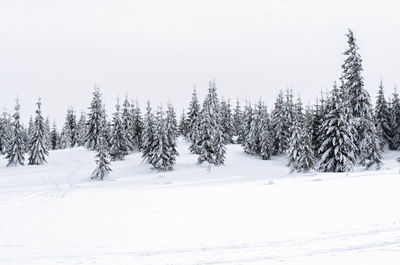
(171, 130)
(163, 155)
(15, 146)
(211, 139)
(127, 124)
(300, 155)
(245, 125)
(251, 144)
(395, 121)
(118, 141)
(95, 119)
(226, 119)
(237, 121)
(183, 127)
(193, 124)
(137, 126)
(279, 126)
(266, 139)
(37, 145)
(102, 157)
(81, 130)
(70, 130)
(54, 136)
(337, 150)
(382, 116)
(5, 131)
(148, 133)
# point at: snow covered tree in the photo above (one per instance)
(127, 124)
(382, 116)
(95, 119)
(15, 146)
(37, 145)
(266, 138)
(211, 140)
(171, 131)
(70, 130)
(102, 157)
(81, 130)
(300, 155)
(395, 121)
(337, 144)
(54, 136)
(47, 129)
(193, 124)
(183, 126)
(245, 125)
(118, 141)
(227, 124)
(148, 133)
(163, 155)
(280, 127)
(251, 144)
(237, 120)
(137, 126)
(5, 131)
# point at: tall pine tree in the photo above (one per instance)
(37, 145)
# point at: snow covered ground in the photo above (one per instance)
(246, 212)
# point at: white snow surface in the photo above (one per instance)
(248, 211)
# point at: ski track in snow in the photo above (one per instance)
(246, 212)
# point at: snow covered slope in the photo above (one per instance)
(246, 212)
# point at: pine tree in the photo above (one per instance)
(395, 121)
(118, 141)
(183, 126)
(54, 136)
(251, 144)
(162, 157)
(245, 125)
(47, 133)
(171, 131)
(227, 124)
(337, 144)
(95, 119)
(102, 161)
(193, 124)
(237, 120)
(127, 124)
(266, 138)
(382, 117)
(148, 133)
(70, 130)
(37, 145)
(15, 146)
(5, 131)
(279, 125)
(137, 126)
(211, 141)
(81, 130)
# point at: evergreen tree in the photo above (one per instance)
(54, 136)
(211, 140)
(102, 157)
(15, 146)
(171, 131)
(47, 130)
(193, 124)
(237, 120)
(251, 144)
(183, 126)
(279, 125)
(118, 141)
(337, 144)
(95, 119)
(5, 131)
(148, 133)
(127, 124)
(266, 138)
(382, 116)
(81, 130)
(245, 125)
(162, 157)
(137, 126)
(37, 145)
(70, 130)
(227, 124)
(395, 121)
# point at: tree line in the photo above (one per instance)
(341, 130)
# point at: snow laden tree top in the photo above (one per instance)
(15, 147)
(96, 116)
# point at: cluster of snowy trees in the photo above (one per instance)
(340, 131)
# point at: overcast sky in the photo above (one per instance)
(158, 49)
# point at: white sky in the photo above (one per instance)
(158, 49)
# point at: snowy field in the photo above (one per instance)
(246, 212)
